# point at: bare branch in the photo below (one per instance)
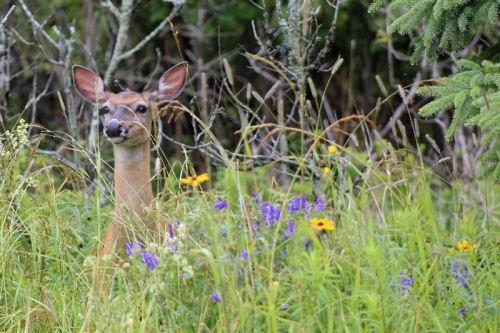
(153, 33)
(35, 23)
(7, 16)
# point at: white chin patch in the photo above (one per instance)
(116, 140)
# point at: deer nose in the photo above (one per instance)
(114, 128)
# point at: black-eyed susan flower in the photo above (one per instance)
(332, 149)
(464, 246)
(195, 180)
(322, 224)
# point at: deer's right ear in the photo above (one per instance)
(87, 83)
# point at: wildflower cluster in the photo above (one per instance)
(175, 245)
(322, 224)
(332, 149)
(298, 203)
(461, 274)
(215, 298)
(260, 218)
(195, 180)
(150, 260)
(320, 204)
(270, 213)
(463, 311)
(462, 247)
(289, 230)
(405, 282)
(220, 204)
(16, 138)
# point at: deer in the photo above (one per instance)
(128, 118)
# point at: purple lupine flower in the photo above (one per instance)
(297, 203)
(257, 199)
(255, 226)
(320, 203)
(220, 204)
(289, 230)
(268, 214)
(284, 307)
(284, 252)
(150, 260)
(172, 244)
(223, 233)
(215, 297)
(461, 273)
(170, 231)
(463, 311)
(131, 247)
(406, 282)
(348, 291)
(244, 255)
(307, 243)
(276, 213)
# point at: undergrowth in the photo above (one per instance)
(245, 255)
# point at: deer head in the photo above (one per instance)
(128, 115)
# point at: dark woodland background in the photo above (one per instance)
(35, 62)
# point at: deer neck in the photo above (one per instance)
(132, 178)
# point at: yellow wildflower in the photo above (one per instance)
(322, 224)
(326, 170)
(464, 246)
(332, 149)
(452, 251)
(195, 180)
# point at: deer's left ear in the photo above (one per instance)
(170, 85)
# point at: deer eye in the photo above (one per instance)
(105, 110)
(142, 109)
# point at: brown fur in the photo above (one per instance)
(133, 191)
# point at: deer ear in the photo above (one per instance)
(170, 85)
(87, 83)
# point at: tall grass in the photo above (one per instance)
(387, 267)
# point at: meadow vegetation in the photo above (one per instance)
(419, 255)
(344, 230)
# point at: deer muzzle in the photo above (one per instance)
(115, 129)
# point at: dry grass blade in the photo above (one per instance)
(273, 89)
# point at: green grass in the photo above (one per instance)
(348, 280)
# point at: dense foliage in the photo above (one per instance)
(299, 191)
(449, 25)
(473, 92)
